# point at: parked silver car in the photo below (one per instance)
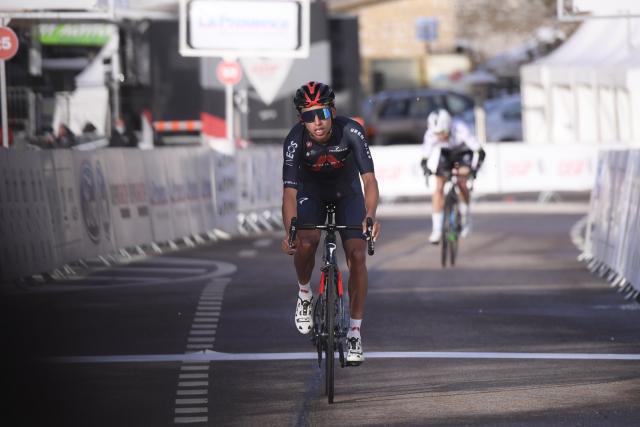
(400, 117)
(503, 119)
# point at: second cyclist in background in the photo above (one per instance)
(458, 147)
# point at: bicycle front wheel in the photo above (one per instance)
(330, 313)
(454, 234)
(446, 229)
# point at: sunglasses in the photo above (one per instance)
(321, 113)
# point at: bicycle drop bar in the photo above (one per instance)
(293, 230)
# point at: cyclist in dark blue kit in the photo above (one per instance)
(325, 158)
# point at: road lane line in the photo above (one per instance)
(200, 401)
(198, 410)
(190, 420)
(214, 356)
(205, 326)
(193, 376)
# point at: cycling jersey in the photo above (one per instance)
(330, 171)
(459, 137)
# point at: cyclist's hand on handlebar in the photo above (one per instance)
(375, 231)
(425, 170)
(289, 250)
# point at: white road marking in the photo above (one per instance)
(204, 332)
(192, 401)
(193, 376)
(204, 326)
(194, 392)
(193, 384)
(190, 420)
(195, 368)
(247, 253)
(214, 356)
(205, 319)
(191, 410)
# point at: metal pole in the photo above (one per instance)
(229, 112)
(3, 101)
(5, 120)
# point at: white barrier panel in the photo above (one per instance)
(196, 208)
(508, 168)
(66, 224)
(174, 160)
(95, 207)
(259, 178)
(129, 197)
(613, 229)
(206, 180)
(5, 254)
(225, 192)
(159, 196)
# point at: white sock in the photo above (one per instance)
(305, 292)
(354, 328)
(436, 220)
(464, 209)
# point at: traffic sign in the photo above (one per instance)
(8, 43)
(229, 72)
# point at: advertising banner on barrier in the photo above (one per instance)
(194, 200)
(129, 198)
(631, 261)
(159, 196)
(259, 178)
(206, 180)
(64, 204)
(95, 207)
(225, 190)
(629, 199)
(175, 162)
(5, 226)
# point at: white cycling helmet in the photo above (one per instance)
(439, 121)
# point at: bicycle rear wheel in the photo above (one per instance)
(445, 232)
(330, 312)
(454, 234)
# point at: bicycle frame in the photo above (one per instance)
(330, 325)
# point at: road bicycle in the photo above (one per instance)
(451, 219)
(330, 324)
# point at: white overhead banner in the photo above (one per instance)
(259, 28)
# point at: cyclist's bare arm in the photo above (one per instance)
(371, 196)
(289, 210)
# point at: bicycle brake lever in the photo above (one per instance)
(370, 242)
(292, 231)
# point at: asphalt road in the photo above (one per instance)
(519, 333)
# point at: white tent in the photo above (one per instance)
(587, 90)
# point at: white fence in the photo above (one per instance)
(509, 168)
(613, 227)
(59, 206)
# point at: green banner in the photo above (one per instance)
(75, 34)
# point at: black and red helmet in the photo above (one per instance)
(313, 93)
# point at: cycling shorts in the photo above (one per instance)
(350, 210)
(448, 158)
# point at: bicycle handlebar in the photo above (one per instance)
(293, 231)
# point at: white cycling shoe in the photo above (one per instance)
(355, 356)
(435, 237)
(304, 315)
(466, 229)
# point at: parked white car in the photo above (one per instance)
(503, 118)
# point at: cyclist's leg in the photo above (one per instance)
(437, 198)
(309, 211)
(465, 159)
(351, 211)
